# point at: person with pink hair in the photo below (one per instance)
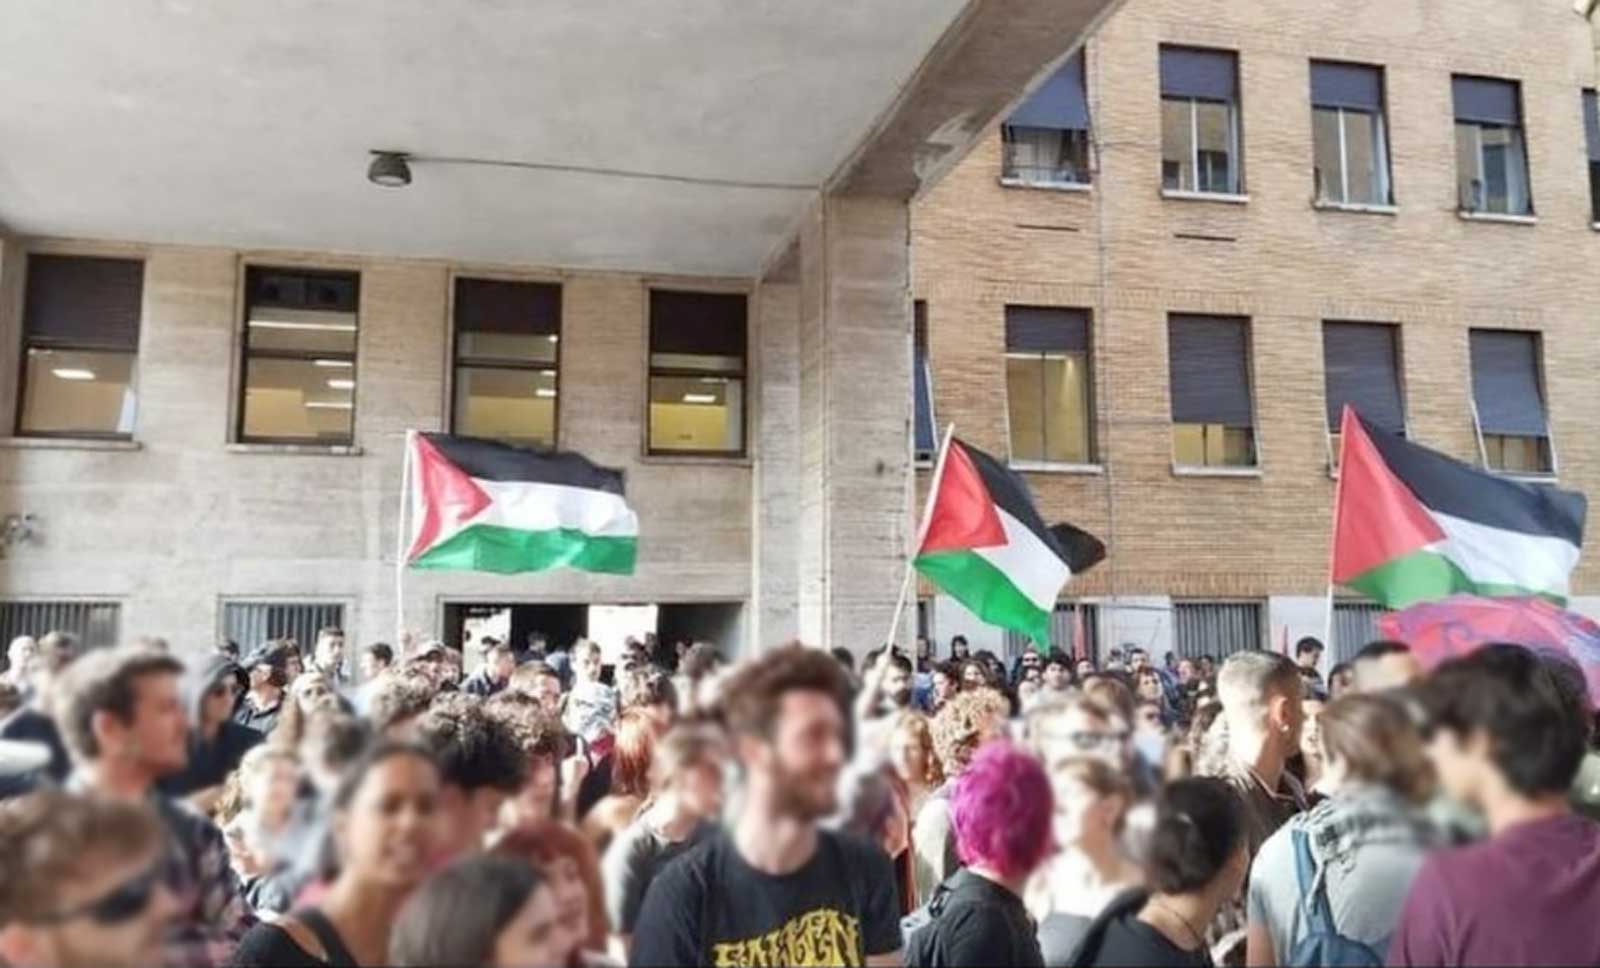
(1001, 809)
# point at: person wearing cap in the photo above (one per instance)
(264, 668)
(216, 742)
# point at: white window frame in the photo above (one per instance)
(1380, 145)
(1526, 172)
(1235, 156)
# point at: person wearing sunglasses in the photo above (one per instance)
(82, 883)
(123, 718)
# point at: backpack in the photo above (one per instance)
(1323, 946)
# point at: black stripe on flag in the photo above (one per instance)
(490, 460)
(1460, 490)
(1083, 549)
(1010, 493)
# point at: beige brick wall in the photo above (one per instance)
(979, 246)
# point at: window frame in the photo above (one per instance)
(245, 354)
(345, 605)
(66, 604)
(1549, 438)
(1092, 444)
(1220, 470)
(920, 349)
(1263, 622)
(27, 342)
(1518, 127)
(1235, 152)
(743, 376)
(1329, 433)
(458, 363)
(1011, 173)
(1380, 149)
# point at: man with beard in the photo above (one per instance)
(81, 883)
(776, 889)
(123, 720)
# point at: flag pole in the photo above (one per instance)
(1345, 420)
(922, 532)
(400, 543)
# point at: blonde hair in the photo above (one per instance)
(916, 725)
(958, 724)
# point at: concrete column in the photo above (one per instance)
(855, 418)
(775, 511)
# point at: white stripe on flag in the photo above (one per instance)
(534, 506)
(1498, 556)
(1030, 564)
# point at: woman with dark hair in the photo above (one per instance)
(1361, 848)
(630, 759)
(481, 910)
(383, 831)
(566, 859)
(1197, 862)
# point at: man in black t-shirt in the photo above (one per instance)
(775, 889)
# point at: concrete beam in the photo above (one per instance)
(989, 60)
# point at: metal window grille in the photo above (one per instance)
(251, 623)
(1354, 625)
(94, 623)
(1216, 628)
(1064, 625)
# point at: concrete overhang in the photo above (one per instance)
(249, 124)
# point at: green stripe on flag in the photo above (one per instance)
(1427, 575)
(984, 589)
(483, 547)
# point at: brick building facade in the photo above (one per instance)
(1131, 255)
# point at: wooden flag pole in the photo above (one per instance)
(400, 543)
(922, 532)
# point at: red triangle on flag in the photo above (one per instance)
(1376, 518)
(962, 514)
(449, 497)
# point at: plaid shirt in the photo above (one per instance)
(214, 914)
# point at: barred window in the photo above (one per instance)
(250, 623)
(94, 623)
(1216, 629)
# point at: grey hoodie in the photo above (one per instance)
(209, 762)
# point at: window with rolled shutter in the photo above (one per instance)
(1508, 397)
(1049, 385)
(80, 346)
(698, 343)
(1212, 410)
(1361, 366)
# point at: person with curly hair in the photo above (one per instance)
(1001, 810)
(912, 756)
(480, 765)
(969, 720)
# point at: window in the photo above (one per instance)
(1361, 365)
(248, 624)
(1591, 136)
(1491, 164)
(697, 372)
(1347, 126)
(80, 341)
(1047, 139)
(1212, 415)
(1048, 385)
(1216, 629)
(925, 429)
(94, 623)
(1200, 121)
(299, 357)
(1074, 629)
(1508, 401)
(507, 353)
(1354, 625)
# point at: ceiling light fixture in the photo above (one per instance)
(329, 405)
(699, 398)
(341, 364)
(297, 324)
(341, 384)
(389, 169)
(545, 392)
(73, 374)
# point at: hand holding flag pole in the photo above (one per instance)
(922, 530)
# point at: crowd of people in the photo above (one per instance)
(797, 807)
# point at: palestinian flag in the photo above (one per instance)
(985, 545)
(1411, 525)
(478, 505)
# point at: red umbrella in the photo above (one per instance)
(1460, 624)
